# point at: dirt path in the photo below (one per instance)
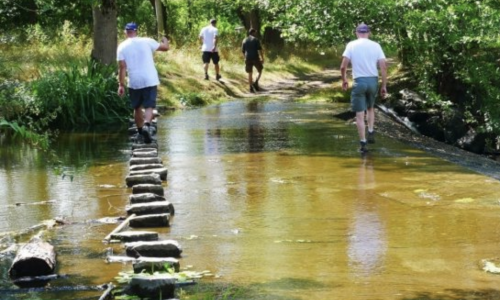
(296, 87)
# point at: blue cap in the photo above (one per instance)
(131, 26)
(362, 28)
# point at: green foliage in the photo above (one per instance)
(80, 95)
(192, 99)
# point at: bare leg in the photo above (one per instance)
(360, 123)
(258, 77)
(250, 80)
(138, 117)
(217, 69)
(148, 115)
(370, 116)
(205, 67)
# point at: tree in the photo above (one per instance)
(105, 32)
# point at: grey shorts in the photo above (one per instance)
(145, 97)
(363, 94)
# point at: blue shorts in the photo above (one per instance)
(363, 94)
(145, 97)
(207, 56)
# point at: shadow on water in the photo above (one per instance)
(458, 294)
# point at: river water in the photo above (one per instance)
(271, 197)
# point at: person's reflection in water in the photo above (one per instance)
(367, 243)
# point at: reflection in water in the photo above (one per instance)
(367, 238)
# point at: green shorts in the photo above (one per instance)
(363, 94)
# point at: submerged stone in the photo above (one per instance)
(167, 248)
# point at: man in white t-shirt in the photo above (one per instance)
(365, 56)
(135, 58)
(209, 37)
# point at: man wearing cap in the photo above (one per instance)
(252, 51)
(364, 55)
(209, 36)
(135, 58)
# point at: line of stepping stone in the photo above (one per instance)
(148, 208)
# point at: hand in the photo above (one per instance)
(121, 91)
(383, 92)
(345, 85)
(164, 40)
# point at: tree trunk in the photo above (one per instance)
(105, 32)
(36, 258)
(250, 19)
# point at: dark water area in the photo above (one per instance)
(271, 197)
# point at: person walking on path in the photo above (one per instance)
(364, 55)
(135, 58)
(209, 36)
(254, 57)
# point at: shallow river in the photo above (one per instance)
(271, 197)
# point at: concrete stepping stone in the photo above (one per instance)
(141, 146)
(135, 179)
(161, 286)
(150, 208)
(135, 236)
(148, 188)
(144, 161)
(155, 264)
(151, 153)
(150, 221)
(145, 198)
(162, 172)
(167, 248)
(145, 167)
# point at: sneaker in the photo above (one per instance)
(256, 86)
(252, 90)
(362, 147)
(206, 76)
(138, 138)
(371, 137)
(146, 133)
(218, 77)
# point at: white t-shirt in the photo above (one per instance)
(208, 33)
(137, 52)
(364, 55)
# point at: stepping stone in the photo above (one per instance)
(135, 236)
(145, 198)
(136, 179)
(167, 248)
(144, 161)
(141, 146)
(150, 221)
(151, 153)
(162, 172)
(151, 287)
(155, 264)
(145, 150)
(148, 188)
(150, 208)
(145, 167)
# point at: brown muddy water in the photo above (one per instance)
(271, 197)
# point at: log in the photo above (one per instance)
(148, 188)
(135, 236)
(37, 258)
(151, 287)
(150, 208)
(149, 221)
(144, 161)
(151, 178)
(167, 248)
(162, 172)
(154, 264)
(145, 167)
(107, 293)
(118, 228)
(145, 198)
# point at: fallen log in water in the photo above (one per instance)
(137, 179)
(167, 248)
(148, 188)
(53, 289)
(29, 279)
(36, 258)
(107, 293)
(145, 198)
(162, 172)
(150, 208)
(118, 228)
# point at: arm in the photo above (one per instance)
(122, 69)
(164, 45)
(261, 53)
(383, 71)
(216, 38)
(343, 72)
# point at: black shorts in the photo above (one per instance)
(257, 63)
(145, 97)
(207, 56)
